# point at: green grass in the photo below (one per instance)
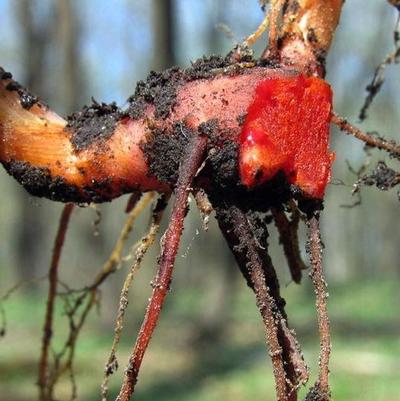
(365, 359)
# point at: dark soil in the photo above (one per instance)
(4, 74)
(220, 174)
(93, 123)
(315, 394)
(383, 177)
(27, 100)
(160, 88)
(225, 187)
(164, 152)
(97, 121)
(39, 182)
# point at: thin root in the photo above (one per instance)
(255, 264)
(379, 75)
(161, 284)
(52, 293)
(275, 10)
(145, 243)
(251, 39)
(288, 237)
(86, 298)
(320, 286)
(115, 257)
(7, 295)
(388, 146)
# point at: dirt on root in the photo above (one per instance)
(27, 100)
(316, 394)
(383, 177)
(39, 182)
(97, 122)
(160, 88)
(219, 175)
(93, 123)
(164, 151)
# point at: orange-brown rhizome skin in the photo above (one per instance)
(286, 129)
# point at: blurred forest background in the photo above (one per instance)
(210, 343)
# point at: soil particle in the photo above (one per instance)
(292, 7)
(225, 186)
(210, 129)
(272, 194)
(222, 159)
(223, 163)
(164, 151)
(203, 67)
(241, 118)
(241, 53)
(312, 36)
(137, 107)
(101, 191)
(39, 182)
(159, 89)
(27, 100)
(222, 171)
(383, 177)
(309, 206)
(4, 74)
(316, 394)
(93, 123)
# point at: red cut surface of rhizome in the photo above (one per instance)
(287, 129)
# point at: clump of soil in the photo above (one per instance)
(93, 123)
(383, 177)
(27, 100)
(159, 89)
(164, 151)
(39, 182)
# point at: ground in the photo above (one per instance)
(365, 363)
